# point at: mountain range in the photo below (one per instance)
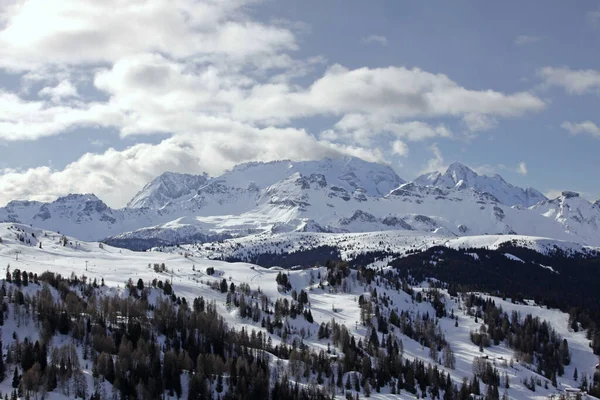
(331, 195)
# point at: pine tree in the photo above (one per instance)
(219, 387)
(15, 381)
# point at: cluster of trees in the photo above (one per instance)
(301, 257)
(119, 338)
(353, 364)
(570, 286)
(533, 339)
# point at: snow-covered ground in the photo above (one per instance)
(352, 244)
(188, 274)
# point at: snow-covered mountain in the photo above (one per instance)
(577, 215)
(246, 180)
(332, 195)
(84, 216)
(167, 187)
(462, 177)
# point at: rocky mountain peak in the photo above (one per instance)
(461, 177)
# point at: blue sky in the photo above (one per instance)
(103, 96)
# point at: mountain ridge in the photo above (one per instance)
(330, 195)
(460, 176)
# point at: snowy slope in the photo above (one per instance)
(351, 245)
(167, 187)
(188, 274)
(460, 176)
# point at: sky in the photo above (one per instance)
(103, 96)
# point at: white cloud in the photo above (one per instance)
(587, 127)
(363, 127)
(63, 90)
(573, 81)
(522, 168)
(479, 122)
(392, 92)
(436, 163)
(56, 32)
(379, 39)
(30, 120)
(400, 148)
(149, 93)
(522, 40)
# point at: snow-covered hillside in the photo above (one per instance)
(333, 195)
(35, 250)
(352, 245)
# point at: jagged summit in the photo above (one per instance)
(76, 197)
(331, 195)
(460, 176)
(165, 188)
(350, 173)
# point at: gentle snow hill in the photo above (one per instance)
(460, 176)
(189, 278)
(352, 245)
(539, 244)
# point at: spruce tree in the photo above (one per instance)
(15, 381)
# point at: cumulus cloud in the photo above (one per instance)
(29, 120)
(73, 32)
(65, 89)
(522, 168)
(400, 148)
(572, 80)
(378, 39)
(149, 93)
(363, 127)
(392, 92)
(586, 127)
